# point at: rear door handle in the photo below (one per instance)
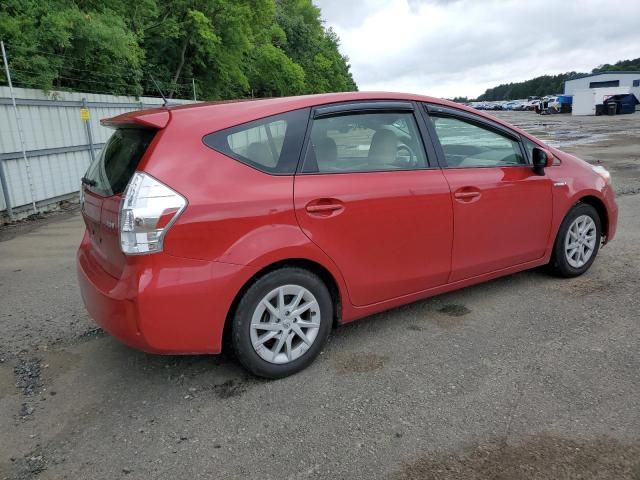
(324, 207)
(466, 195)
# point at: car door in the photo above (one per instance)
(502, 209)
(368, 196)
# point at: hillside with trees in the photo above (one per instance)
(228, 48)
(548, 84)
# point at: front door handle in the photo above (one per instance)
(467, 195)
(324, 207)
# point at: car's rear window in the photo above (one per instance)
(113, 168)
(270, 144)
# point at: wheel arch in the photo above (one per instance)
(600, 207)
(320, 270)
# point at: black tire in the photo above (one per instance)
(241, 326)
(559, 265)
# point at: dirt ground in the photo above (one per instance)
(526, 376)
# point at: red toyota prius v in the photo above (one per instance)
(268, 222)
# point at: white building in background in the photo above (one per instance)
(590, 90)
(605, 80)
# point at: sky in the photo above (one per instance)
(447, 48)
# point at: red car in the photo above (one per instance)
(268, 222)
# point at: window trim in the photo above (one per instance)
(365, 107)
(430, 110)
(304, 112)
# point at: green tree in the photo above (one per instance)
(56, 44)
(231, 48)
(313, 47)
(273, 74)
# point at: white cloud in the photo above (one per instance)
(462, 47)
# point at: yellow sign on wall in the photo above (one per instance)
(84, 114)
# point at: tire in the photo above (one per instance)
(564, 264)
(284, 352)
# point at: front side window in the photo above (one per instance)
(466, 145)
(529, 146)
(270, 144)
(366, 142)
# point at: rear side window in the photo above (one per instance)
(113, 168)
(271, 144)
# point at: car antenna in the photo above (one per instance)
(165, 102)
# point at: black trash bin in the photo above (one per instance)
(612, 107)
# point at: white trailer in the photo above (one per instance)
(585, 100)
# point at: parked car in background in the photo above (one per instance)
(531, 105)
(520, 105)
(512, 105)
(269, 222)
(551, 104)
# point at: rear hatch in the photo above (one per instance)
(102, 188)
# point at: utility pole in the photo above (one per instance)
(87, 128)
(20, 135)
(3, 177)
(193, 82)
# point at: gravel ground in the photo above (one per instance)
(527, 376)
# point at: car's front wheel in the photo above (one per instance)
(282, 322)
(577, 242)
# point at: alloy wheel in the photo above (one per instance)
(580, 241)
(285, 324)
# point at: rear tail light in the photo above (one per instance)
(147, 211)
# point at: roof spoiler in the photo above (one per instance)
(153, 118)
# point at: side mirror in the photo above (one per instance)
(541, 159)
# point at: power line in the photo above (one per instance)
(41, 52)
(23, 74)
(84, 90)
(144, 68)
(86, 80)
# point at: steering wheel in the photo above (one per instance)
(408, 160)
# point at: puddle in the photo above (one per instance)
(538, 458)
(230, 389)
(454, 310)
(358, 362)
(588, 286)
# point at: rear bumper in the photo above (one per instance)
(160, 303)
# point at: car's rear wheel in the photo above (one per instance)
(577, 242)
(282, 322)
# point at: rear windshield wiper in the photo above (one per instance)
(88, 181)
